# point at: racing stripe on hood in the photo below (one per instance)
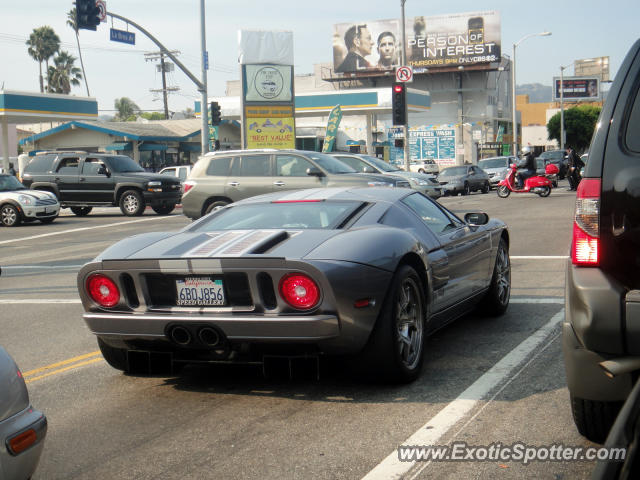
(233, 243)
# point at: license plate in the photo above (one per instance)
(198, 291)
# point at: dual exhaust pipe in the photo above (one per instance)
(204, 336)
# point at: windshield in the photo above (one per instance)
(9, 183)
(453, 171)
(121, 164)
(554, 155)
(331, 164)
(493, 163)
(300, 215)
(381, 164)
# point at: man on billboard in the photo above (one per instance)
(359, 44)
(387, 50)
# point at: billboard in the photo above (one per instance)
(268, 83)
(577, 88)
(431, 42)
(269, 127)
(587, 67)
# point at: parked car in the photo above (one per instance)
(19, 204)
(426, 184)
(497, 168)
(424, 166)
(341, 271)
(82, 180)
(558, 158)
(180, 171)
(463, 180)
(22, 428)
(601, 334)
(585, 158)
(219, 178)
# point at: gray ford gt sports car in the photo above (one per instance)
(22, 428)
(362, 272)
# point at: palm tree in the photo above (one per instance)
(43, 43)
(63, 73)
(71, 21)
(126, 108)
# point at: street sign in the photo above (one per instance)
(404, 74)
(206, 60)
(102, 7)
(123, 37)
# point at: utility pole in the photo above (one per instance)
(405, 127)
(164, 67)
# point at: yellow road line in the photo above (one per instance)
(70, 367)
(60, 364)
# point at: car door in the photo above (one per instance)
(291, 173)
(250, 175)
(96, 181)
(357, 164)
(66, 177)
(467, 249)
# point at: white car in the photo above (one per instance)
(180, 171)
(424, 166)
(19, 204)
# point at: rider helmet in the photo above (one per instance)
(525, 150)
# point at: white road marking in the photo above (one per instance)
(15, 240)
(438, 426)
(539, 257)
(37, 301)
(38, 267)
(553, 300)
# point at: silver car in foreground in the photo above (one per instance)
(19, 204)
(22, 428)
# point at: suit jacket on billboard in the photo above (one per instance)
(352, 63)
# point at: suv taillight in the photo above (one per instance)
(188, 185)
(585, 246)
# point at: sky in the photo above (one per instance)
(583, 29)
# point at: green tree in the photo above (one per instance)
(71, 22)
(152, 115)
(579, 124)
(126, 109)
(63, 73)
(43, 44)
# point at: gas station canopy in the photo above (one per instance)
(26, 107)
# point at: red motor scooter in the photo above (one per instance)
(536, 184)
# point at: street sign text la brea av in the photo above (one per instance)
(123, 37)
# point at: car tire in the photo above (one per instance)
(421, 170)
(213, 205)
(81, 211)
(132, 203)
(163, 209)
(594, 419)
(10, 216)
(467, 189)
(116, 357)
(503, 191)
(47, 220)
(496, 300)
(486, 188)
(395, 350)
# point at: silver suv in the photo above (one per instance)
(219, 178)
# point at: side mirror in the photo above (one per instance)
(476, 219)
(368, 169)
(315, 172)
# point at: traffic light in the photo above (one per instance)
(399, 104)
(216, 117)
(87, 15)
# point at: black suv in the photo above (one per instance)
(83, 180)
(601, 331)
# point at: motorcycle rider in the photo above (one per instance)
(527, 165)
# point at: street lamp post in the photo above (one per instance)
(562, 134)
(513, 87)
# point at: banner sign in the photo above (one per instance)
(437, 144)
(577, 88)
(268, 83)
(269, 127)
(432, 42)
(332, 129)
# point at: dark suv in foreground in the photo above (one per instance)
(601, 331)
(83, 180)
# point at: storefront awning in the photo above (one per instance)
(146, 147)
(119, 146)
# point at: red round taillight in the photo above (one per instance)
(299, 291)
(103, 290)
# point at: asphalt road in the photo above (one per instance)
(485, 381)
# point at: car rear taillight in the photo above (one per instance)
(103, 290)
(22, 441)
(585, 246)
(188, 185)
(299, 291)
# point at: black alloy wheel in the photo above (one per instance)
(467, 189)
(163, 209)
(81, 211)
(497, 297)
